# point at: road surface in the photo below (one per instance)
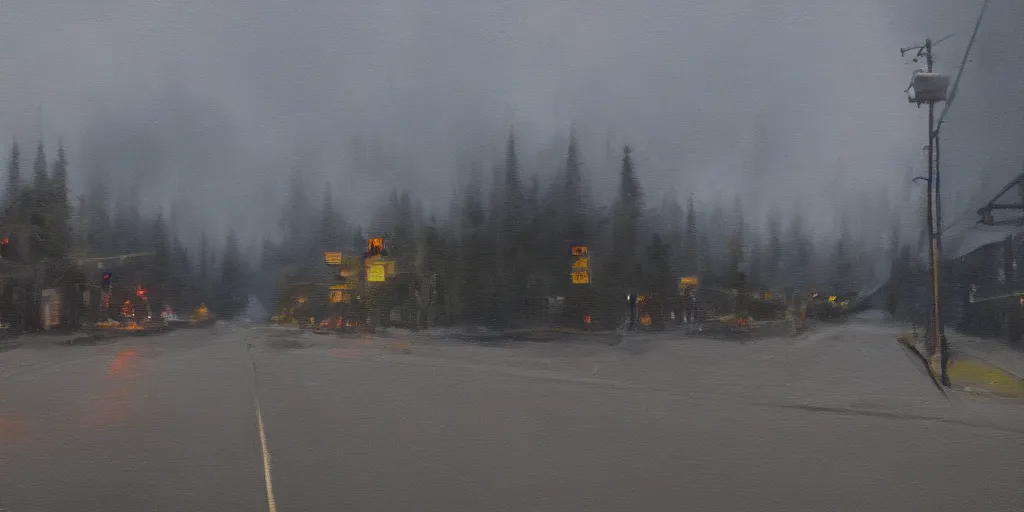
(837, 419)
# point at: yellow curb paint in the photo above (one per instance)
(967, 371)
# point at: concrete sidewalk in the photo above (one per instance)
(977, 364)
(996, 352)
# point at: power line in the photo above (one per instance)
(963, 64)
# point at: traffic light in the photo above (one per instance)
(106, 278)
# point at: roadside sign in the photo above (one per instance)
(376, 273)
(332, 258)
(581, 277)
(340, 297)
(578, 250)
(375, 245)
(688, 281)
(581, 263)
(338, 287)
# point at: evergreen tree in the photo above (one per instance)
(204, 268)
(510, 298)
(842, 262)
(774, 251)
(628, 208)
(330, 232)
(59, 228)
(673, 226)
(13, 176)
(296, 219)
(802, 271)
(39, 169)
(233, 277)
(691, 261)
(659, 276)
(157, 275)
(474, 254)
(737, 252)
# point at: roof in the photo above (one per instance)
(975, 237)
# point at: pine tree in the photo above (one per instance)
(802, 271)
(737, 248)
(474, 255)
(673, 226)
(628, 208)
(158, 278)
(39, 169)
(659, 279)
(233, 277)
(59, 228)
(13, 176)
(691, 261)
(774, 251)
(511, 298)
(329, 239)
(842, 261)
(296, 219)
(204, 267)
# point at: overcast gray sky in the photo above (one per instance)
(786, 102)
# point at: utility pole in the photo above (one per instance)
(930, 88)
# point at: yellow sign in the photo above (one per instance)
(336, 296)
(578, 250)
(581, 277)
(376, 273)
(332, 258)
(583, 263)
(343, 286)
(375, 245)
(688, 281)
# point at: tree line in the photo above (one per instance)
(496, 256)
(500, 251)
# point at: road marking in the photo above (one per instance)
(264, 447)
(271, 502)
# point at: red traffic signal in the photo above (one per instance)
(106, 278)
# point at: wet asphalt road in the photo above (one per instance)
(838, 419)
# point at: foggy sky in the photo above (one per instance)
(792, 104)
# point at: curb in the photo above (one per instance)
(971, 372)
(967, 372)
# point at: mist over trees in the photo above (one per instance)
(497, 254)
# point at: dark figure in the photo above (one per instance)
(890, 305)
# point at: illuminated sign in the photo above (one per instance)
(376, 273)
(375, 245)
(581, 277)
(578, 250)
(688, 281)
(583, 263)
(332, 258)
(337, 287)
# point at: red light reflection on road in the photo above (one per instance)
(122, 362)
